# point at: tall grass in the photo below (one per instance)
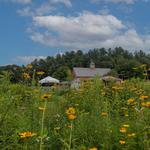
(115, 117)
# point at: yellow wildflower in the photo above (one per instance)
(26, 75)
(123, 130)
(70, 111)
(45, 96)
(131, 135)
(142, 97)
(122, 142)
(125, 125)
(41, 108)
(143, 104)
(40, 73)
(27, 134)
(71, 117)
(94, 148)
(104, 114)
(131, 100)
(147, 104)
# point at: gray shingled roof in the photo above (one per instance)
(88, 72)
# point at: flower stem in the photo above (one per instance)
(70, 138)
(42, 126)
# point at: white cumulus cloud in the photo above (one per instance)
(65, 2)
(122, 1)
(86, 26)
(87, 31)
(17, 1)
(41, 10)
(28, 59)
(45, 8)
(118, 1)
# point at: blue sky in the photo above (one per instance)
(32, 29)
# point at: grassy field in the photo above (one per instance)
(94, 117)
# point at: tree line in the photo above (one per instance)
(123, 64)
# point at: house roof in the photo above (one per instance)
(89, 72)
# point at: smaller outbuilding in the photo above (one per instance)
(108, 79)
(49, 81)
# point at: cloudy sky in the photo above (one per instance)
(32, 29)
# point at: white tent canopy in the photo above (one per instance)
(48, 80)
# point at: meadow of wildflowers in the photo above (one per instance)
(93, 117)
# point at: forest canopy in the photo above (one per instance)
(123, 63)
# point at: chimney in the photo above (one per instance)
(92, 65)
